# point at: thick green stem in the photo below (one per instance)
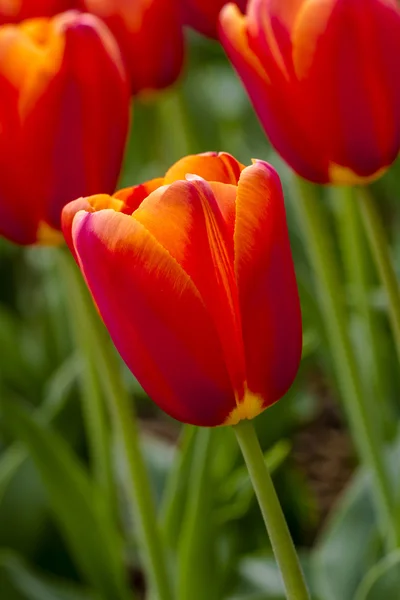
(274, 519)
(318, 239)
(127, 437)
(380, 251)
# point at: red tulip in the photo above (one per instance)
(150, 35)
(64, 109)
(193, 276)
(324, 78)
(202, 15)
(13, 11)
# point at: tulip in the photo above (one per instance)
(324, 79)
(202, 15)
(64, 110)
(150, 35)
(13, 11)
(193, 277)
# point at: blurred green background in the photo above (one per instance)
(46, 473)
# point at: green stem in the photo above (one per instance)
(174, 496)
(96, 425)
(380, 251)
(358, 266)
(317, 236)
(274, 519)
(194, 551)
(126, 430)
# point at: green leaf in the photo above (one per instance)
(197, 532)
(78, 506)
(20, 582)
(349, 545)
(382, 582)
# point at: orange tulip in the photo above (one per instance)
(13, 11)
(193, 276)
(150, 35)
(202, 15)
(324, 79)
(64, 110)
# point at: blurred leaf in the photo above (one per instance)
(19, 582)
(197, 528)
(349, 545)
(77, 505)
(260, 578)
(382, 582)
(22, 515)
(236, 491)
(176, 485)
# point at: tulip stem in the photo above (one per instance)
(271, 510)
(380, 252)
(126, 433)
(358, 265)
(316, 232)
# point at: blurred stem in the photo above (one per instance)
(174, 496)
(317, 236)
(192, 582)
(137, 483)
(380, 251)
(274, 519)
(355, 258)
(96, 424)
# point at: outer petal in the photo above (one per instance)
(186, 219)
(89, 204)
(269, 302)
(357, 102)
(272, 100)
(133, 196)
(155, 316)
(13, 11)
(211, 166)
(150, 35)
(202, 15)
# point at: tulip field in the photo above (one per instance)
(199, 300)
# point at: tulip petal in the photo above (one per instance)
(155, 316)
(269, 303)
(273, 103)
(187, 220)
(210, 166)
(133, 196)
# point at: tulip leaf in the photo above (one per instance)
(382, 581)
(19, 582)
(197, 530)
(77, 504)
(349, 545)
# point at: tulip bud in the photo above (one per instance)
(150, 35)
(64, 111)
(13, 11)
(324, 79)
(202, 15)
(193, 276)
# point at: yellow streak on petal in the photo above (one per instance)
(47, 236)
(234, 27)
(311, 23)
(339, 175)
(248, 408)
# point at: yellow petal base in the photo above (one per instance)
(47, 236)
(248, 408)
(339, 175)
